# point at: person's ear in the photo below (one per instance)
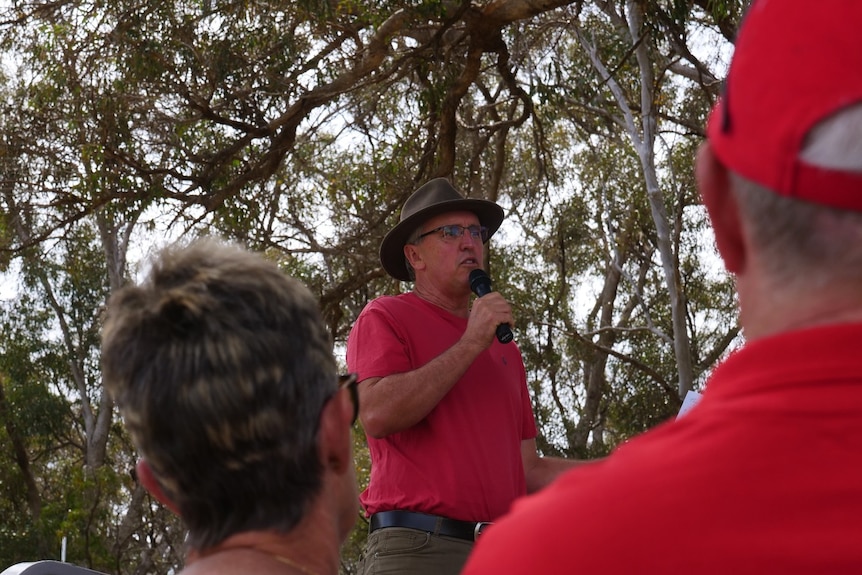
(151, 483)
(335, 440)
(713, 182)
(414, 256)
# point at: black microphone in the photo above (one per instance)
(480, 283)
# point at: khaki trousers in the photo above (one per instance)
(402, 551)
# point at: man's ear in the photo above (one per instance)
(335, 440)
(713, 181)
(413, 256)
(151, 484)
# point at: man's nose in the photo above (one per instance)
(468, 238)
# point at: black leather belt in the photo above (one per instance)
(469, 530)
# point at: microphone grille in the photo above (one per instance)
(479, 277)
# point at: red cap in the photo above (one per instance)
(796, 62)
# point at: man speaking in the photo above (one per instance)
(443, 402)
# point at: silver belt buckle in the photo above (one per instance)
(477, 530)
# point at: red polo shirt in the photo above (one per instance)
(463, 461)
(764, 475)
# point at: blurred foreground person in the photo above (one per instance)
(763, 475)
(223, 371)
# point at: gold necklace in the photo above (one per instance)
(292, 563)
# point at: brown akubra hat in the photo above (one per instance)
(436, 197)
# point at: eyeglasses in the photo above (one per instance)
(349, 381)
(454, 231)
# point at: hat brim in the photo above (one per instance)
(392, 247)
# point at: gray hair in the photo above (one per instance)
(220, 365)
(803, 242)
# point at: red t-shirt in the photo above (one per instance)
(764, 475)
(463, 460)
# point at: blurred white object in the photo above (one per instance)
(691, 399)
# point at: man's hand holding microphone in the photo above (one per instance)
(480, 284)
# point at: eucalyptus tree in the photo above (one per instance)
(300, 128)
(636, 98)
(54, 413)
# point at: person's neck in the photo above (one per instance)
(297, 553)
(458, 305)
(771, 311)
